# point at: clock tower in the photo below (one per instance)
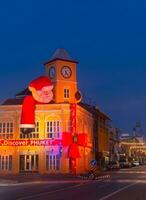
(61, 69)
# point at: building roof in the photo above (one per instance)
(23, 93)
(94, 110)
(61, 54)
(15, 101)
(18, 100)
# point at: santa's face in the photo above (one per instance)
(45, 95)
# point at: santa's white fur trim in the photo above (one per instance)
(27, 125)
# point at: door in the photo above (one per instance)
(28, 163)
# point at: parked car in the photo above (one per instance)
(124, 164)
(135, 163)
(113, 165)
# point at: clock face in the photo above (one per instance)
(52, 72)
(66, 72)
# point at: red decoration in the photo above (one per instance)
(73, 118)
(40, 82)
(41, 89)
(74, 141)
(27, 115)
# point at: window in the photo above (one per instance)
(6, 163)
(53, 129)
(34, 134)
(6, 130)
(52, 162)
(66, 93)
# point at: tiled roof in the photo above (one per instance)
(61, 54)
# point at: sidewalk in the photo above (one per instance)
(24, 177)
(5, 182)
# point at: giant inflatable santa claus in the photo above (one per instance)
(41, 92)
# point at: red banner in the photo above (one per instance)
(29, 142)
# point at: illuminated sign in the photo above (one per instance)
(29, 142)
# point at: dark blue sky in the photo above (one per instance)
(108, 38)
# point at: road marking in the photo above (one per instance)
(45, 193)
(117, 191)
(59, 190)
(130, 181)
(131, 172)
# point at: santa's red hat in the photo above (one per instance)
(40, 82)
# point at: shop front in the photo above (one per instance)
(40, 156)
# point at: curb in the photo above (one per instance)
(96, 178)
(103, 177)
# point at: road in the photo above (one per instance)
(127, 184)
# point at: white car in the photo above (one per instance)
(135, 163)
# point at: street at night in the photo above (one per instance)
(124, 184)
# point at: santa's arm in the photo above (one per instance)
(27, 123)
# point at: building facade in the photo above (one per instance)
(46, 150)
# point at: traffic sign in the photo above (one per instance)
(93, 162)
